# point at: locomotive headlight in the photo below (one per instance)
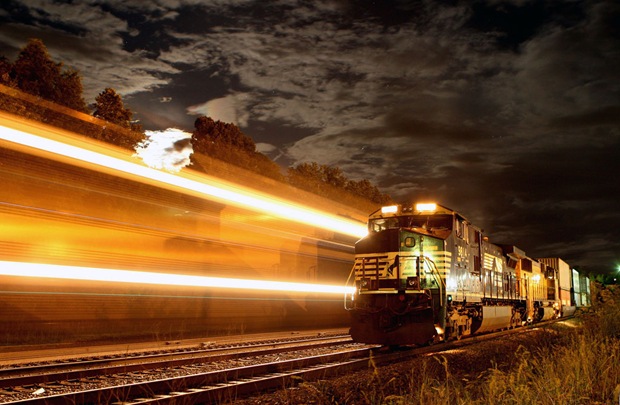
(426, 207)
(390, 209)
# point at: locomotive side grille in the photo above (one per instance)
(370, 265)
(368, 271)
(443, 261)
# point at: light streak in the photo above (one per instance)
(23, 269)
(248, 200)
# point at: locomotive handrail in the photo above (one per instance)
(359, 266)
(351, 275)
(377, 270)
(434, 269)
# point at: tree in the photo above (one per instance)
(366, 189)
(35, 73)
(71, 91)
(109, 107)
(311, 175)
(5, 72)
(226, 142)
(209, 133)
(333, 175)
(309, 171)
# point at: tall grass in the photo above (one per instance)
(567, 365)
(585, 370)
(579, 367)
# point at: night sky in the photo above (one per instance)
(507, 112)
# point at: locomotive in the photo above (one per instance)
(424, 273)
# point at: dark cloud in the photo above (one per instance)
(599, 117)
(513, 24)
(399, 123)
(506, 111)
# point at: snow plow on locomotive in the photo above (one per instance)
(424, 273)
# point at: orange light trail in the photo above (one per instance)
(19, 133)
(246, 199)
(127, 276)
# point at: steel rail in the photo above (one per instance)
(235, 383)
(12, 377)
(213, 386)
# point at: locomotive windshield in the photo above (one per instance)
(438, 222)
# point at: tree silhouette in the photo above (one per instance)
(35, 73)
(226, 142)
(309, 171)
(209, 132)
(71, 90)
(5, 72)
(366, 189)
(313, 177)
(109, 107)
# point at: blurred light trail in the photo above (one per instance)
(22, 269)
(246, 199)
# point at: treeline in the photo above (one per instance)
(56, 98)
(314, 177)
(35, 73)
(227, 142)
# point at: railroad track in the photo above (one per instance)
(218, 386)
(106, 380)
(108, 364)
(208, 376)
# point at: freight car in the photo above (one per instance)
(425, 273)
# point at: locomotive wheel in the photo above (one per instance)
(515, 321)
(455, 332)
(459, 332)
